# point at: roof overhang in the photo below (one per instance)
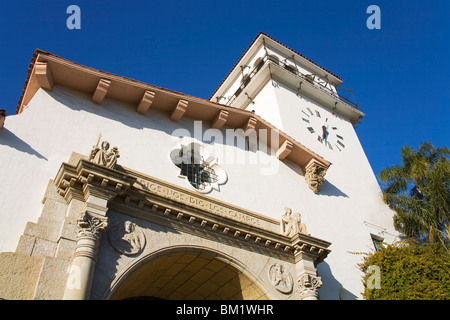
(47, 70)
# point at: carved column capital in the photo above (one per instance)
(308, 285)
(79, 282)
(90, 230)
(90, 225)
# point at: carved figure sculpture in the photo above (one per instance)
(104, 157)
(112, 157)
(287, 223)
(291, 224)
(300, 226)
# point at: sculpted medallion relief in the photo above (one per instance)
(126, 237)
(280, 278)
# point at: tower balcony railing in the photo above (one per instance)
(311, 78)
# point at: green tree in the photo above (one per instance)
(419, 192)
(408, 271)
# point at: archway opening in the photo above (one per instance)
(188, 276)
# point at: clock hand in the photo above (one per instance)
(325, 133)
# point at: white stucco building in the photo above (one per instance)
(201, 199)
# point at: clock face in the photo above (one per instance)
(321, 127)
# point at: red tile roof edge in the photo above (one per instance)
(39, 51)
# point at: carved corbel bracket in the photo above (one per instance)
(220, 119)
(179, 110)
(250, 125)
(315, 175)
(101, 90)
(43, 75)
(284, 150)
(146, 102)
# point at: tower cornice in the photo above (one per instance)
(268, 59)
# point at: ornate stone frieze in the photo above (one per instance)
(308, 286)
(280, 278)
(144, 197)
(315, 176)
(126, 237)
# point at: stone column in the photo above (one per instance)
(308, 281)
(90, 229)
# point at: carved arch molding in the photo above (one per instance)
(126, 212)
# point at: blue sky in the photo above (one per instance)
(399, 74)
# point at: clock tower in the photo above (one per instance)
(302, 99)
(292, 92)
(187, 209)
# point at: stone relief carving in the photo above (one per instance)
(126, 237)
(291, 224)
(280, 278)
(309, 285)
(104, 157)
(91, 226)
(315, 177)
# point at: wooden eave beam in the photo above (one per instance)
(43, 75)
(250, 124)
(284, 150)
(81, 78)
(179, 110)
(146, 102)
(101, 91)
(220, 119)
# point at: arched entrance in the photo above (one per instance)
(189, 275)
